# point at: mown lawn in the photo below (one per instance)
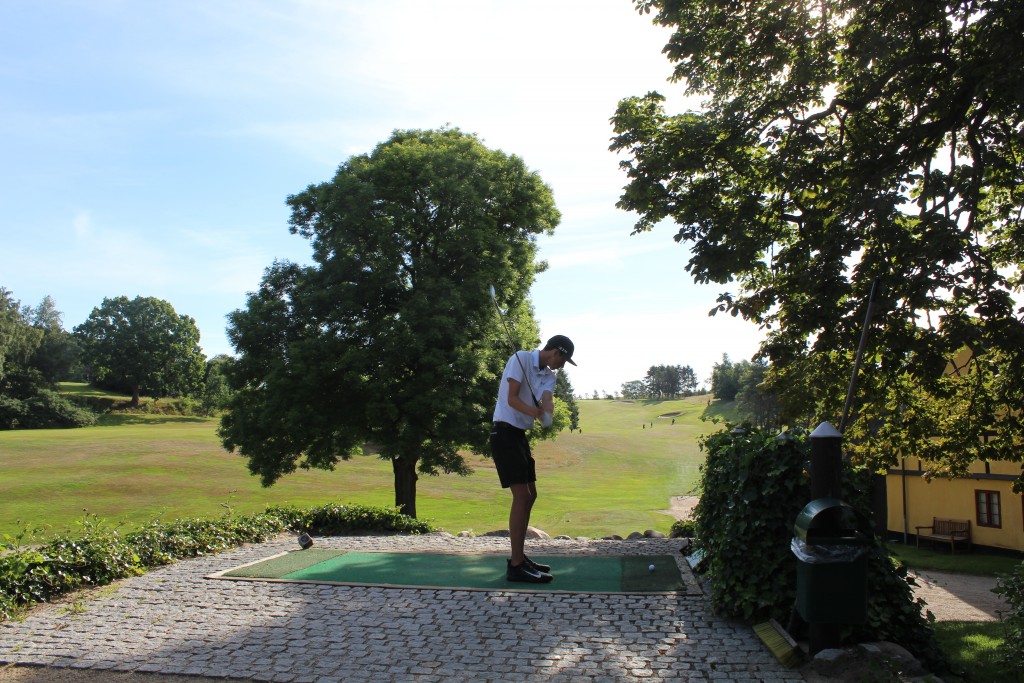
(615, 477)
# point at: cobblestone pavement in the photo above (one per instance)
(175, 621)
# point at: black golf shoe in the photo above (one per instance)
(535, 565)
(526, 573)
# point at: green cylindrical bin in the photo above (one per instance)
(830, 546)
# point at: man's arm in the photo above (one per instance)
(517, 403)
(547, 406)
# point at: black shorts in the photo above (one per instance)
(511, 452)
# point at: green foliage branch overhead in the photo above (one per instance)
(839, 142)
(390, 341)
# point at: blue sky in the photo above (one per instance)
(146, 149)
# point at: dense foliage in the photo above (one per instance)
(753, 486)
(390, 339)
(142, 345)
(1011, 587)
(839, 142)
(34, 351)
(99, 554)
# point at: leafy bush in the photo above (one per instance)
(348, 519)
(1011, 587)
(99, 555)
(43, 410)
(753, 486)
(684, 528)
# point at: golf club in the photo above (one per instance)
(512, 344)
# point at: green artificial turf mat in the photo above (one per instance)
(279, 565)
(577, 573)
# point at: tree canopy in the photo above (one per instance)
(390, 341)
(839, 142)
(142, 345)
(34, 350)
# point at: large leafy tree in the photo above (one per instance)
(18, 339)
(838, 142)
(56, 357)
(27, 396)
(390, 341)
(142, 345)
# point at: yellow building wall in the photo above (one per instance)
(956, 499)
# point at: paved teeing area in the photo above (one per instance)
(174, 621)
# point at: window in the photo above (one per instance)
(987, 504)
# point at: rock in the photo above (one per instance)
(634, 536)
(531, 532)
(908, 663)
(563, 537)
(651, 533)
(611, 537)
(865, 661)
(830, 654)
(466, 534)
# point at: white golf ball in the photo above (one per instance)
(650, 568)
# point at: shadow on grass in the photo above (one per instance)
(124, 419)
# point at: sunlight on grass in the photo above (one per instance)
(617, 476)
(972, 647)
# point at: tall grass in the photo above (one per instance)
(616, 476)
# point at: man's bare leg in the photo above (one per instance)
(523, 497)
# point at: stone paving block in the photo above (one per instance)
(172, 620)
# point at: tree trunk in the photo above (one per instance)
(135, 395)
(405, 485)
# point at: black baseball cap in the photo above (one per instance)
(563, 344)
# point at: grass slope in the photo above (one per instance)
(615, 477)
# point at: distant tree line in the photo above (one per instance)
(137, 346)
(664, 382)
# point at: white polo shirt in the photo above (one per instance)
(541, 380)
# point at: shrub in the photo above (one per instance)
(753, 486)
(1011, 587)
(684, 528)
(43, 410)
(348, 519)
(99, 554)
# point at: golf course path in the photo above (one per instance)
(173, 624)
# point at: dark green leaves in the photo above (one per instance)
(839, 142)
(390, 339)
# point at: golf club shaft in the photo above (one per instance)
(512, 344)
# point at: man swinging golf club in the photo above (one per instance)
(526, 394)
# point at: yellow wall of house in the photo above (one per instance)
(956, 499)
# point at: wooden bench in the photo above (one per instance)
(948, 531)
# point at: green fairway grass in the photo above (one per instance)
(615, 477)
